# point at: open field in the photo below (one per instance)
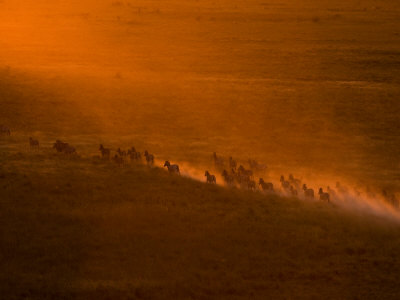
(87, 229)
(310, 88)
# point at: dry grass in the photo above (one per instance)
(307, 88)
(87, 229)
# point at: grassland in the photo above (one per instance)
(84, 228)
(307, 87)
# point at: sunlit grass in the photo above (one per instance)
(81, 226)
(306, 87)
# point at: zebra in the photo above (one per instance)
(251, 185)
(121, 153)
(210, 178)
(294, 181)
(243, 172)
(232, 163)
(33, 143)
(105, 152)
(243, 179)
(229, 179)
(333, 193)
(150, 158)
(172, 168)
(60, 146)
(323, 196)
(284, 183)
(133, 154)
(266, 186)
(64, 147)
(293, 191)
(308, 193)
(132, 150)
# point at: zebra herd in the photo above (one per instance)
(236, 176)
(121, 157)
(244, 178)
(63, 147)
(232, 174)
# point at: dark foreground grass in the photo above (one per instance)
(86, 229)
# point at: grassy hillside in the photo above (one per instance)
(306, 87)
(88, 229)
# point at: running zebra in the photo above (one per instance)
(172, 168)
(150, 158)
(210, 178)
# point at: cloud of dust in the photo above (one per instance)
(344, 195)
